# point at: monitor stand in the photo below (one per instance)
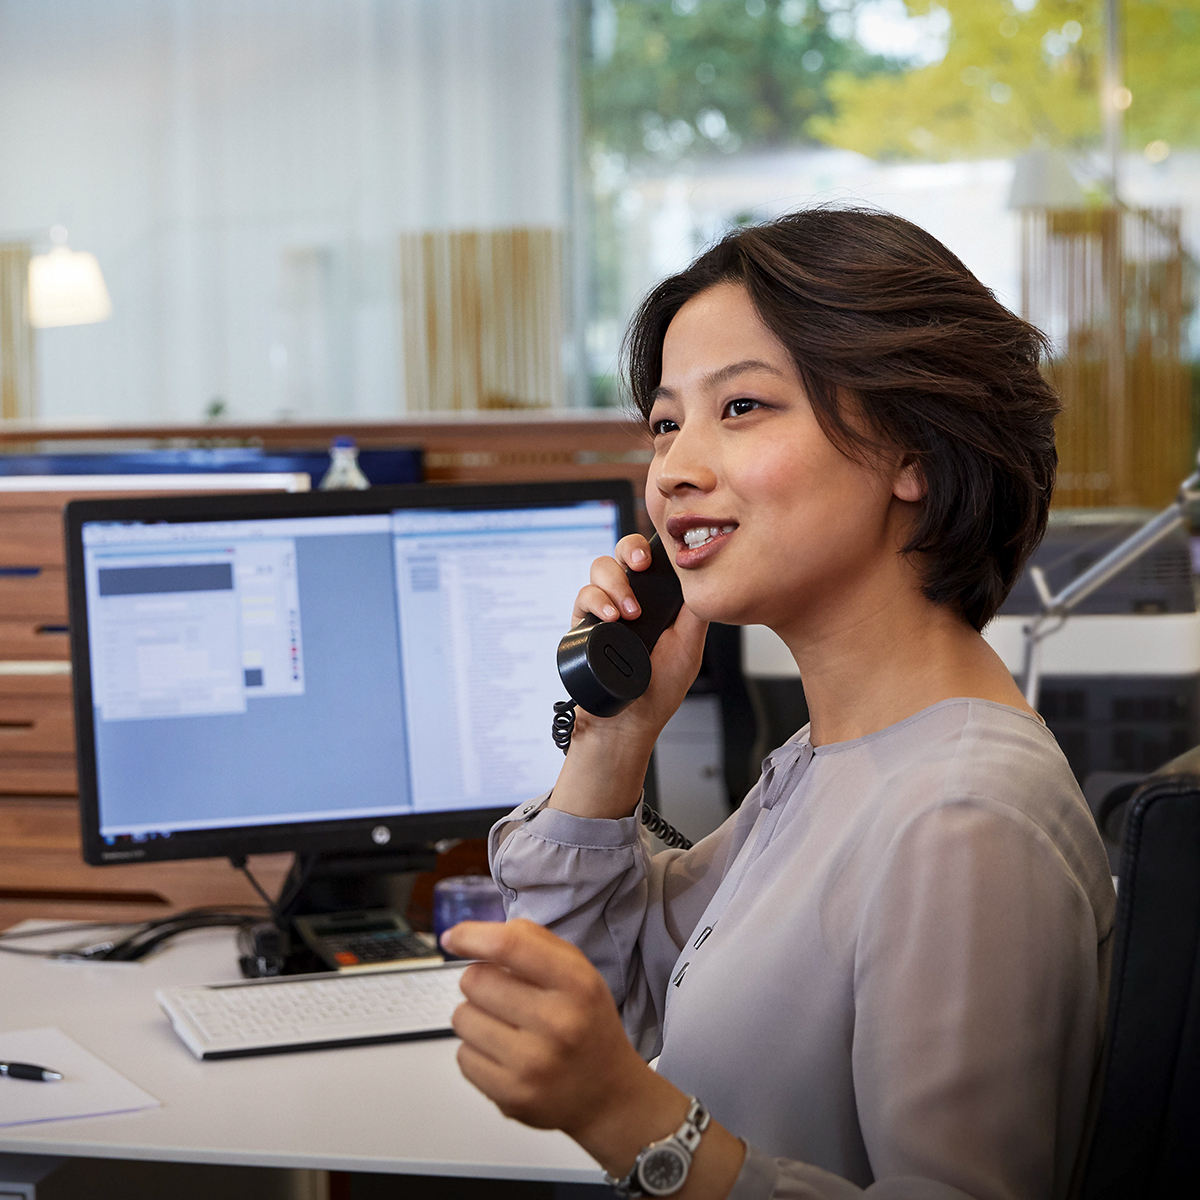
(331, 883)
(326, 883)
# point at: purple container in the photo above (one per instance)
(465, 898)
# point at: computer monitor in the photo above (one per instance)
(323, 672)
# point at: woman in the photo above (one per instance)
(887, 971)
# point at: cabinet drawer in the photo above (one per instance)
(38, 775)
(35, 679)
(29, 638)
(27, 590)
(36, 725)
(32, 537)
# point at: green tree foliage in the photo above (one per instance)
(1013, 76)
(665, 78)
(1162, 68)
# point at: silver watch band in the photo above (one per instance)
(684, 1142)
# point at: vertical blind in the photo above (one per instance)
(1108, 286)
(482, 320)
(16, 336)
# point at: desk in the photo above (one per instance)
(392, 1109)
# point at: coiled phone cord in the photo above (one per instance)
(561, 730)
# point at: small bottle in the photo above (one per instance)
(344, 474)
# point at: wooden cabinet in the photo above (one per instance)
(42, 873)
(37, 735)
(32, 639)
(31, 532)
(35, 594)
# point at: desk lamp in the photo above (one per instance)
(1056, 608)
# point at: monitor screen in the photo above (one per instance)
(328, 671)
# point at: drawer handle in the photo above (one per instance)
(81, 895)
(52, 629)
(15, 726)
(20, 572)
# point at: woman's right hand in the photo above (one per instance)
(609, 755)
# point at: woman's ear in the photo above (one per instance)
(909, 481)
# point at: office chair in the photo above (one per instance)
(1146, 1139)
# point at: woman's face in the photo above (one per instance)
(766, 520)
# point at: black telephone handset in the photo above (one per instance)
(605, 665)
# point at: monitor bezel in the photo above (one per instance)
(353, 836)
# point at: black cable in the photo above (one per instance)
(151, 934)
(25, 950)
(277, 908)
(80, 954)
(265, 947)
(238, 861)
(663, 829)
(286, 899)
(563, 725)
(561, 730)
(71, 927)
(138, 945)
(145, 935)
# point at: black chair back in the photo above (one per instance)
(1146, 1142)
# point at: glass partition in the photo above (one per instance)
(279, 198)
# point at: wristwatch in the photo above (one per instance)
(661, 1169)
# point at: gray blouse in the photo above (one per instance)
(887, 971)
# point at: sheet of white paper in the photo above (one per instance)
(88, 1088)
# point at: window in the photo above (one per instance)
(999, 127)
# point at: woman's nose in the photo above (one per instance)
(687, 463)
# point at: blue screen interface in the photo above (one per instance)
(276, 670)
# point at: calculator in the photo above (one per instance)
(378, 940)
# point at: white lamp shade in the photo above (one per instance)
(66, 288)
(1042, 178)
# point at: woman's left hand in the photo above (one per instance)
(541, 1037)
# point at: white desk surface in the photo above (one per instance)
(401, 1109)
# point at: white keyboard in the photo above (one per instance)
(311, 1012)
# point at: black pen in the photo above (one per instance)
(16, 1070)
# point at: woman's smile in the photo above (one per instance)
(698, 538)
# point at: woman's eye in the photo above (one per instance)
(663, 426)
(739, 408)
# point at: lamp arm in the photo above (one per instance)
(1116, 560)
(1058, 606)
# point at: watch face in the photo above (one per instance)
(663, 1171)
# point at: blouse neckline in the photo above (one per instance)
(954, 701)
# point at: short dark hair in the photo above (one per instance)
(872, 307)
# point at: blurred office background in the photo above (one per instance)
(277, 192)
(341, 209)
(247, 223)
(1053, 144)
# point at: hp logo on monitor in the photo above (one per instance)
(381, 835)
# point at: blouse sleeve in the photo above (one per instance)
(594, 883)
(977, 1014)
